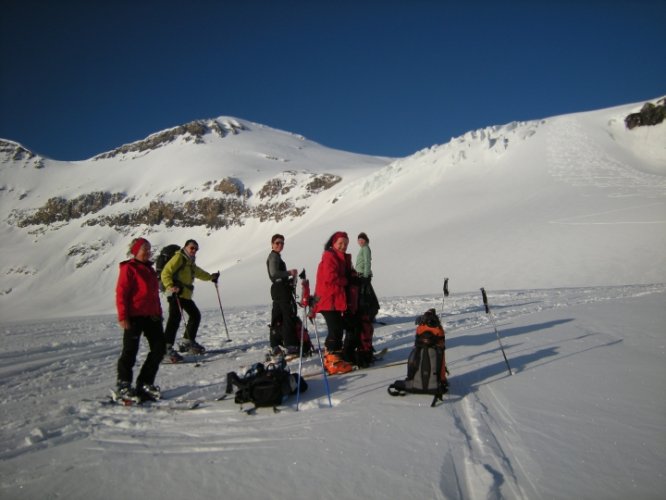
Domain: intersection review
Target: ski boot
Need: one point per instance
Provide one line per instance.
(172, 356)
(334, 364)
(124, 394)
(293, 352)
(191, 347)
(275, 355)
(148, 392)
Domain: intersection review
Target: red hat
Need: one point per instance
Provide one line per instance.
(338, 235)
(136, 246)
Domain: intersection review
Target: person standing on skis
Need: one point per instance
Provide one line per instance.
(178, 278)
(368, 297)
(139, 311)
(283, 313)
(334, 275)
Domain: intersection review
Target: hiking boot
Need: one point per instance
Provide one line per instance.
(148, 392)
(334, 364)
(191, 347)
(172, 356)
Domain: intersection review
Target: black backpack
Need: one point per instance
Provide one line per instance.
(426, 365)
(265, 385)
(165, 256)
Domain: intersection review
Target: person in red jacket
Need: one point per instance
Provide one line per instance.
(333, 277)
(139, 311)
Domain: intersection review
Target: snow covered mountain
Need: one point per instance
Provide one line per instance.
(567, 204)
(573, 200)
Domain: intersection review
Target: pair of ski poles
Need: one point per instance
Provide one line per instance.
(307, 301)
(488, 312)
(219, 301)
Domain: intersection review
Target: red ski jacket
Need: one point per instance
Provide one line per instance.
(332, 278)
(137, 290)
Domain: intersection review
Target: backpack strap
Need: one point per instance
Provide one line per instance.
(397, 388)
(439, 396)
(184, 261)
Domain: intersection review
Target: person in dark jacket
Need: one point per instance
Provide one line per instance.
(334, 275)
(283, 313)
(139, 311)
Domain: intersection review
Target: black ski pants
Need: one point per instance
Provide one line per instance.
(151, 327)
(336, 325)
(284, 313)
(175, 316)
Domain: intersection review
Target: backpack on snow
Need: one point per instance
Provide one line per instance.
(426, 365)
(165, 256)
(265, 385)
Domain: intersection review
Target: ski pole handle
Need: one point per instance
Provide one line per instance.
(485, 300)
(446, 287)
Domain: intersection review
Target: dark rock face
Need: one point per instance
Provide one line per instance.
(650, 114)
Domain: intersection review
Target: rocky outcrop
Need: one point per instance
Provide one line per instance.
(280, 197)
(59, 209)
(650, 114)
(11, 151)
(190, 132)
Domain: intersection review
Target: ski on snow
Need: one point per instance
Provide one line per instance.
(200, 359)
(163, 404)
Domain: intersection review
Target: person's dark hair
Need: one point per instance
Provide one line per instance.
(190, 242)
(276, 236)
(363, 236)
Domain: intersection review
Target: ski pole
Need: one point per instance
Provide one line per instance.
(300, 355)
(305, 299)
(446, 292)
(321, 359)
(492, 318)
(180, 308)
(307, 302)
(219, 301)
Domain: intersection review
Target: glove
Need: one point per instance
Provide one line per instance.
(215, 277)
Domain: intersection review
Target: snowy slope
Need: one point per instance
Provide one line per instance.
(572, 200)
(545, 215)
(582, 416)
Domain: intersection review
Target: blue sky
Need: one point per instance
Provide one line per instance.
(387, 77)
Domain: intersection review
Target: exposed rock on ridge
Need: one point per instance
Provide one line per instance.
(190, 132)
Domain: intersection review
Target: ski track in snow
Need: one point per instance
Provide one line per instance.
(575, 158)
(54, 385)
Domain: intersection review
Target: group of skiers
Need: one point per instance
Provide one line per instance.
(343, 295)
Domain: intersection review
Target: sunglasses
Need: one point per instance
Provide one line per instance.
(278, 242)
(194, 249)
